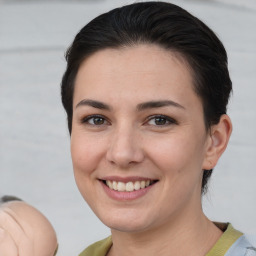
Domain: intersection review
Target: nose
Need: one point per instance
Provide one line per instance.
(125, 148)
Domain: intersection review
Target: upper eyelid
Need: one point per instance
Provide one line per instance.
(168, 118)
(86, 118)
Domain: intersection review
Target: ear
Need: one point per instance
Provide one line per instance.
(217, 142)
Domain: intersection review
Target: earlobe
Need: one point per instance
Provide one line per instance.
(218, 141)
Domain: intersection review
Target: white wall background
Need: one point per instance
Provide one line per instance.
(34, 142)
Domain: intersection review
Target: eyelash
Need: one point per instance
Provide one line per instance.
(168, 120)
(93, 117)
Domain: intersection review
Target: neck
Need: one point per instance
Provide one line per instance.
(196, 236)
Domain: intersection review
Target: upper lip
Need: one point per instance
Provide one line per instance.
(126, 179)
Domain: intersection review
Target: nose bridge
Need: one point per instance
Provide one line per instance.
(125, 147)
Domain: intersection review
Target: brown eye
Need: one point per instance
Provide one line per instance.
(95, 120)
(161, 120)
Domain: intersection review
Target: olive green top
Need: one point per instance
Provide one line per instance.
(227, 239)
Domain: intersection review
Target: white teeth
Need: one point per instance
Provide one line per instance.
(110, 184)
(114, 185)
(129, 186)
(120, 186)
(137, 185)
(142, 184)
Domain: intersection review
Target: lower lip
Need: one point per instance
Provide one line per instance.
(126, 196)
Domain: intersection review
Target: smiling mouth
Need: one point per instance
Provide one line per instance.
(128, 186)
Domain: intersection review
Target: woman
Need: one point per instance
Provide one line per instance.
(146, 90)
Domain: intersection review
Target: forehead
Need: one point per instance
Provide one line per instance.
(130, 59)
(143, 68)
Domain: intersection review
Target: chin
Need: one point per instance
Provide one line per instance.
(127, 227)
(126, 222)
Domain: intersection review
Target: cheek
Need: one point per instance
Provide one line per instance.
(84, 160)
(179, 161)
(177, 153)
(87, 152)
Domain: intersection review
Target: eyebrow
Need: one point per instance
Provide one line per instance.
(140, 107)
(94, 104)
(158, 104)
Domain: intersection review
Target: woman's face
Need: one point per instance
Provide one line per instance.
(138, 139)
